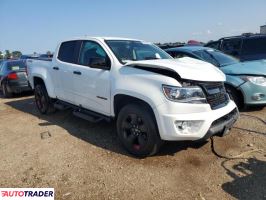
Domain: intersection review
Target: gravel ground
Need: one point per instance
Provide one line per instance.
(85, 161)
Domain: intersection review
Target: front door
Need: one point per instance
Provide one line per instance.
(92, 85)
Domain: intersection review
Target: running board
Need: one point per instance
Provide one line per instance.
(80, 112)
(89, 116)
(60, 106)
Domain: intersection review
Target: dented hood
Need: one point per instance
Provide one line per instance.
(256, 67)
(186, 68)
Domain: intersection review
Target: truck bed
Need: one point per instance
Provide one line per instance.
(35, 66)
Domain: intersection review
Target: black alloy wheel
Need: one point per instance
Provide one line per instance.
(43, 102)
(137, 130)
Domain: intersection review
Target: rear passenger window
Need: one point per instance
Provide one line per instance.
(67, 52)
(254, 46)
(232, 46)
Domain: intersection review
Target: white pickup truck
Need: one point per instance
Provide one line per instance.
(152, 96)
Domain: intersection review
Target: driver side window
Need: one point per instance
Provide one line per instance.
(91, 50)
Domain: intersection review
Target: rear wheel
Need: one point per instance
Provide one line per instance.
(43, 101)
(137, 130)
(6, 93)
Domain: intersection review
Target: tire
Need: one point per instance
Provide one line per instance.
(137, 130)
(43, 101)
(235, 95)
(6, 93)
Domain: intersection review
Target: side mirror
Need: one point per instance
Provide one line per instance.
(99, 63)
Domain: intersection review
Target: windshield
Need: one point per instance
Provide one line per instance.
(127, 50)
(216, 57)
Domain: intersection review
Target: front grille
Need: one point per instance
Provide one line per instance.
(215, 94)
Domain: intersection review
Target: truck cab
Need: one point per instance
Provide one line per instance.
(151, 96)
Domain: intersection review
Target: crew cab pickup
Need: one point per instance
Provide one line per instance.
(151, 96)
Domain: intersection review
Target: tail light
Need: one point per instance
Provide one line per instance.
(12, 76)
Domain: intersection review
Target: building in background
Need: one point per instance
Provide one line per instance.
(263, 29)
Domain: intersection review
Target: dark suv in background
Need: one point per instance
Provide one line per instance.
(245, 47)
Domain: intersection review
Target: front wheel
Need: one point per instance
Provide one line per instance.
(137, 130)
(43, 101)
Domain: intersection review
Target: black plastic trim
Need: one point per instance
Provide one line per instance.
(221, 126)
(83, 110)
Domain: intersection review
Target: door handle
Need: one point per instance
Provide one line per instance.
(77, 72)
(56, 68)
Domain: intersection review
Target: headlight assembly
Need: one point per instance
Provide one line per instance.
(258, 80)
(193, 94)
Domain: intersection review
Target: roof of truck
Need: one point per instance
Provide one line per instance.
(104, 38)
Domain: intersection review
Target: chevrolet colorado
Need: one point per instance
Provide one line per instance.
(152, 96)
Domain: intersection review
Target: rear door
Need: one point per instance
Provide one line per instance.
(92, 86)
(62, 70)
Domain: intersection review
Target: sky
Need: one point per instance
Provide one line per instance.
(38, 26)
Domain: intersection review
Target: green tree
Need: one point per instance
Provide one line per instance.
(1, 55)
(16, 54)
(7, 54)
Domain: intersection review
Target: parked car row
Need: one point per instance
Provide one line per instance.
(13, 77)
(245, 81)
(13, 74)
(244, 47)
(35, 56)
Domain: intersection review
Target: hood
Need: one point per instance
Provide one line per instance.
(186, 68)
(246, 68)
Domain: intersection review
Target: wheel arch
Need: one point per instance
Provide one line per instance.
(41, 80)
(238, 90)
(38, 80)
(120, 100)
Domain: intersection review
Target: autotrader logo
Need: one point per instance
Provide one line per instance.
(27, 193)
